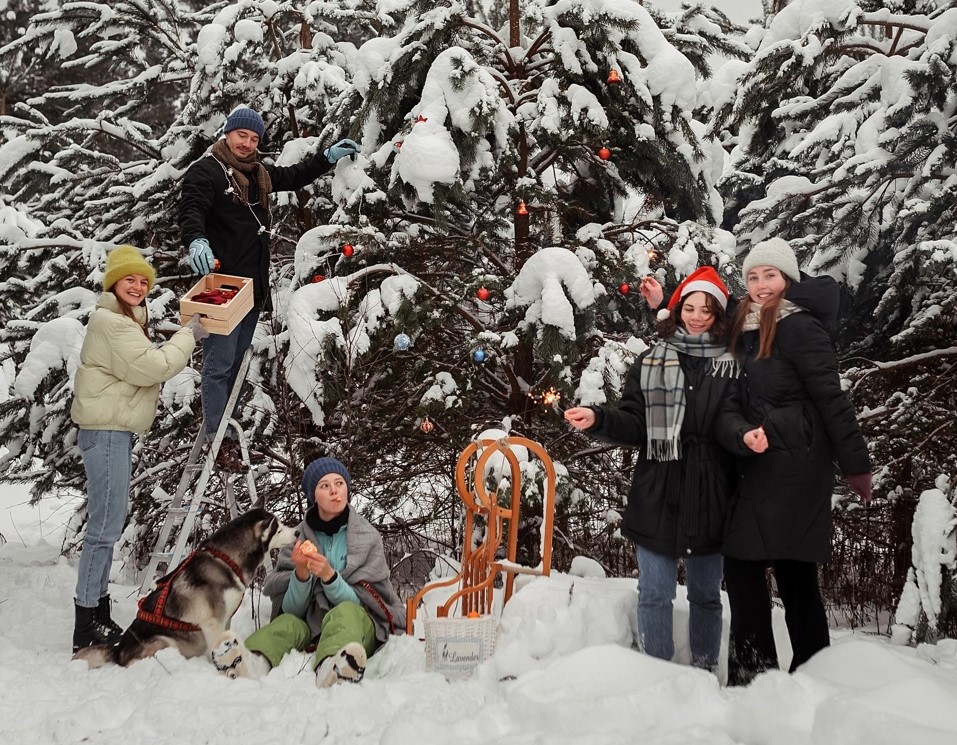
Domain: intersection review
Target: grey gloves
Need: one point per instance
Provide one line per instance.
(200, 332)
(201, 258)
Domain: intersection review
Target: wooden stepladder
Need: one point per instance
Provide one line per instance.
(185, 505)
(480, 567)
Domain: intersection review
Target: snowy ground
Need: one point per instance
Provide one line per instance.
(563, 672)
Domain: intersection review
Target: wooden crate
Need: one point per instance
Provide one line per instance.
(218, 319)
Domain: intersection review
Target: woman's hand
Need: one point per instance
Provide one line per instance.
(308, 561)
(651, 291)
(580, 417)
(756, 440)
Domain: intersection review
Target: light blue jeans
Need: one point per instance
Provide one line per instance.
(222, 358)
(106, 457)
(657, 580)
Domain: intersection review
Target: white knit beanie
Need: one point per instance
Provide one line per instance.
(773, 252)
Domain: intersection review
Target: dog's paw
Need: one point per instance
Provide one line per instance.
(227, 656)
(348, 664)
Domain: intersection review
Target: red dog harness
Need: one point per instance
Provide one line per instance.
(157, 615)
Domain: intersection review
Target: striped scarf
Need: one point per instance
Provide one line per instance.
(663, 385)
(753, 320)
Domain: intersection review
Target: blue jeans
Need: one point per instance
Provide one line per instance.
(106, 457)
(222, 358)
(657, 580)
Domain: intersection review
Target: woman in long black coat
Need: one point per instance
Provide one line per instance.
(683, 479)
(788, 420)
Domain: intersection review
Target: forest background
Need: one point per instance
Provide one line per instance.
(509, 196)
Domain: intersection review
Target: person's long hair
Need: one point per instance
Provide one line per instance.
(767, 323)
(718, 331)
(127, 310)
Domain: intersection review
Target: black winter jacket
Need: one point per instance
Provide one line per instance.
(233, 232)
(782, 507)
(675, 508)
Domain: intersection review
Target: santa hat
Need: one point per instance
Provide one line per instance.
(705, 279)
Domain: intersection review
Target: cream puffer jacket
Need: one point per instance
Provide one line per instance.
(117, 384)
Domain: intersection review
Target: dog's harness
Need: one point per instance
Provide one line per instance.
(165, 584)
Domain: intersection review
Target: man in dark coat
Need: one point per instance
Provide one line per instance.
(787, 420)
(224, 215)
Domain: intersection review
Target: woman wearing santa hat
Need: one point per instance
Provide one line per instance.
(683, 479)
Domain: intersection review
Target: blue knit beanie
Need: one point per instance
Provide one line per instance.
(319, 468)
(245, 118)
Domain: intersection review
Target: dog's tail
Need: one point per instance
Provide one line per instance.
(97, 655)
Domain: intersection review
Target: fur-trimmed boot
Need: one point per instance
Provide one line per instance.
(102, 614)
(86, 629)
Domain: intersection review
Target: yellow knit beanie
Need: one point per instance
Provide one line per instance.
(123, 261)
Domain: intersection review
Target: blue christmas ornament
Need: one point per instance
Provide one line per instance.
(402, 342)
(479, 355)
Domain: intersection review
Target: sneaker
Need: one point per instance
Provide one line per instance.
(233, 660)
(229, 457)
(348, 664)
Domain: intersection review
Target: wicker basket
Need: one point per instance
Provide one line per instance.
(456, 646)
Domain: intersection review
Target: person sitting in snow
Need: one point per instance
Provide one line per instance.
(224, 215)
(334, 591)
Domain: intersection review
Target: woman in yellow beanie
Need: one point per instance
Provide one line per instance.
(115, 394)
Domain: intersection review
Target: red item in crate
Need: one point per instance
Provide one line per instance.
(218, 296)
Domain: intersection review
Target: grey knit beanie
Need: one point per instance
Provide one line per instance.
(319, 468)
(245, 118)
(773, 252)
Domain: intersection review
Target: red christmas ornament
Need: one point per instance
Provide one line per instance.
(613, 77)
(624, 288)
(348, 250)
(521, 209)
(482, 293)
(318, 278)
(398, 145)
(426, 426)
(604, 153)
(422, 118)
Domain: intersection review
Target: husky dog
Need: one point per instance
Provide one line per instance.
(190, 607)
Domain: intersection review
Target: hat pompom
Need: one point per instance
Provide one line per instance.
(124, 261)
(663, 315)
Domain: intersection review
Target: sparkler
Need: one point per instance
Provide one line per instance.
(551, 397)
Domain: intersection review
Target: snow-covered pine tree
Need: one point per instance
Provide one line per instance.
(498, 115)
(475, 261)
(95, 163)
(845, 146)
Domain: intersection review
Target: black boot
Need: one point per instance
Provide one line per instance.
(86, 629)
(102, 615)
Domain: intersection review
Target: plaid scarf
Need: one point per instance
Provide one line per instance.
(239, 173)
(663, 385)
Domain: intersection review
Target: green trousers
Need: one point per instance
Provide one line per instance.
(347, 622)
